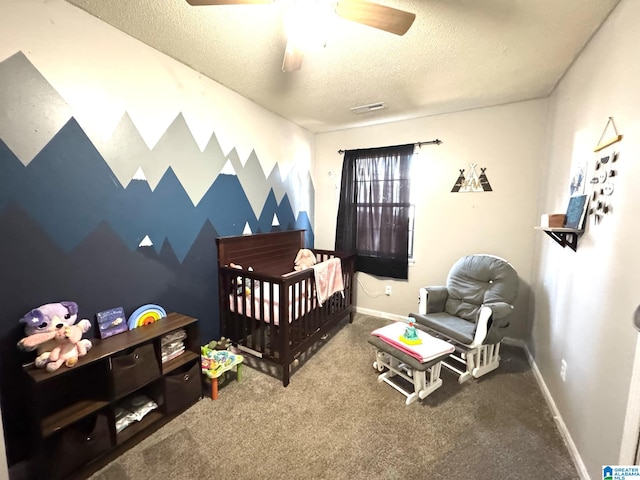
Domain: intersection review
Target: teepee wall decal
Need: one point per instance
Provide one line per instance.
(472, 182)
(484, 181)
(459, 182)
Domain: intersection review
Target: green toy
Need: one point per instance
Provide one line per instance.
(410, 335)
(222, 344)
(216, 362)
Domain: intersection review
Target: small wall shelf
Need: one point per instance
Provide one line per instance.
(566, 237)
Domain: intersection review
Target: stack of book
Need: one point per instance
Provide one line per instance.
(172, 345)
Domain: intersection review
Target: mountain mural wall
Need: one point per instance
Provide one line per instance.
(113, 222)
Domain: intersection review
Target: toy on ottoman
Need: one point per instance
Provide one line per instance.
(402, 354)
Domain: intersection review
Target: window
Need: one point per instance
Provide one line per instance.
(375, 209)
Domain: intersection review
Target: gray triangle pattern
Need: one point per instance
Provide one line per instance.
(126, 151)
(24, 126)
(253, 181)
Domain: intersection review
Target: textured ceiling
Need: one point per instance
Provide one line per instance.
(459, 54)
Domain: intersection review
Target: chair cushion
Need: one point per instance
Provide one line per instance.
(477, 279)
(455, 328)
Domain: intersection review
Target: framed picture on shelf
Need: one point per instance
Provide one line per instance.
(578, 176)
(576, 211)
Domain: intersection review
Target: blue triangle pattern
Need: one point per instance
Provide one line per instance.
(68, 189)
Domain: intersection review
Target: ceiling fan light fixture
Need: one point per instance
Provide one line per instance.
(197, 3)
(372, 107)
(292, 61)
(307, 23)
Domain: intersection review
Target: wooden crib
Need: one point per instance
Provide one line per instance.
(272, 311)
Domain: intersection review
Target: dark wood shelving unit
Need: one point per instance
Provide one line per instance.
(565, 237)
(138, 427)
(179, 361)
(78, 404)
(65, 417)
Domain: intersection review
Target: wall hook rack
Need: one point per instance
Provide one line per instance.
(604, 144)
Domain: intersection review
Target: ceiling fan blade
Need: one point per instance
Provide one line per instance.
(292, 58)
(226, 2)
(377, 16)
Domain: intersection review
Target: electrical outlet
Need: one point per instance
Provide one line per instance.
(563, 370)
(387, 290)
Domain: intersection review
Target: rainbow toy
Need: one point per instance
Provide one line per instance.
(410, 335)
(146, 315)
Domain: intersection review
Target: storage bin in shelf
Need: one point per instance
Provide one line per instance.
(67, 416)
(77, 445)
(566, 237)
(133, 368)
(183, 387)
(64, 402)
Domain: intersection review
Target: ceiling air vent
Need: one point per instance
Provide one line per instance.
(372, 107)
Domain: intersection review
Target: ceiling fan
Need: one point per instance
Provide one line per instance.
(364, 12)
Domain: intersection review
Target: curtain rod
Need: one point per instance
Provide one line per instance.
(437, 141)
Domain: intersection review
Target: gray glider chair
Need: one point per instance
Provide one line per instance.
(471, 312)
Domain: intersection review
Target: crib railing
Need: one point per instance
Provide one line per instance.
(278, 317)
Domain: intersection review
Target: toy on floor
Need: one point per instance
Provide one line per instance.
(410, 335)
(42, 325)
(215, 363)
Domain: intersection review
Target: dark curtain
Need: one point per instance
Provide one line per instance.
(373, 214)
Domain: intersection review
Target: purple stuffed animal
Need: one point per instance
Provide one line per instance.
(41, 325)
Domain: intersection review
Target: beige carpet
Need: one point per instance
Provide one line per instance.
(334, 421)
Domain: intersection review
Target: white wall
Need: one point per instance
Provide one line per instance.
(584, 301)
(508, 140)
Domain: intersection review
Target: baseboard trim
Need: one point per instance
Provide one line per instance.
(516, 342)
(564, 432)
(378, 313)
(562, 428)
